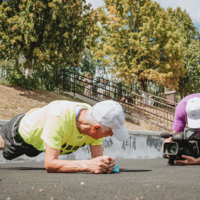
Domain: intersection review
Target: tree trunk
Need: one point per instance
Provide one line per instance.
(182, 95)
(143, 84)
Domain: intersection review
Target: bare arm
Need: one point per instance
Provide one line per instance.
(96, 150)
(189, 160)
(52, 164)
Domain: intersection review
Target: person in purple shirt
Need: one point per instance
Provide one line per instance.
(187, 112)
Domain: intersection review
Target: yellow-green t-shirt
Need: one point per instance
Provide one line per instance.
(55, 125)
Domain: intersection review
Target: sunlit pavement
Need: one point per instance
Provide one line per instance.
(138, 179)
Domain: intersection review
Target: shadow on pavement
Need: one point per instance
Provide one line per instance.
(22, 168)
(35, 168)
(135, 170)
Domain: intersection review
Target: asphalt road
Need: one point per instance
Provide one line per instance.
(138, 179)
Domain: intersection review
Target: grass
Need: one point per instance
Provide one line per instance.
(16, 100)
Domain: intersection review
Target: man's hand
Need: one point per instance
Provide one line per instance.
(101, 164)
(189, 160)
(111, 165)
(97, 152)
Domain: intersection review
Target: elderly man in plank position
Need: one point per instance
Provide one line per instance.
(62, 127)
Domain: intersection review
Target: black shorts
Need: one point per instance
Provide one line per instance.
(14, 145)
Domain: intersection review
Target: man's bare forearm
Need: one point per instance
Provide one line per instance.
(96, 165)
(197, 161)
(62, 166)
(53, 164)
(96, 150)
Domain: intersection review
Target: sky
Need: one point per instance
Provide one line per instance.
(191, 6)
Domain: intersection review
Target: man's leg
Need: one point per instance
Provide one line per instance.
(1, 143)
(11, 148)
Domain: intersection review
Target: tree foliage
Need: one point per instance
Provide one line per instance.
(139, 41)
(87, 64)
(44, 32)
(190, 83)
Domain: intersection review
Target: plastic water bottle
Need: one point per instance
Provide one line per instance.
(116, 169)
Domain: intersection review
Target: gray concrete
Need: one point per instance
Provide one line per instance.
(2, 122)
(140, 145)
(150, 179)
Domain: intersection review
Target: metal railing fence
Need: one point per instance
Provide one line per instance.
(157, 110)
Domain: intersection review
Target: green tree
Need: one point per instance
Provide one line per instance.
(87, 64)
(42, 32)
(3, 72)
(138, 41)
(190, 83)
